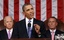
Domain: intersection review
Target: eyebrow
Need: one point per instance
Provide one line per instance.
(29, 9)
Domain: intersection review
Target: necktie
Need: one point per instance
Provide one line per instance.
(29, 29)
(9, 36)
(52, 35)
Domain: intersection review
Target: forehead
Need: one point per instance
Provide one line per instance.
(52, 19)
(28, 6)
(8, 18)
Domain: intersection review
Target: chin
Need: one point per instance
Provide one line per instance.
(31, 17)
(52, 28)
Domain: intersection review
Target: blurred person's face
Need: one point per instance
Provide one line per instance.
(29, 11)
(52, 23)
(8, 22)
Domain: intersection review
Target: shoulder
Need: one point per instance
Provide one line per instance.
(47, 31)
(19, 22)
(2, 31)
(59, 31)
(38, 21)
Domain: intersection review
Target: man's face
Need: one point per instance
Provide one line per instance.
(52, 23)
(29, 11)
(8, 23)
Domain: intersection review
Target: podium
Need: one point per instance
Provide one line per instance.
(31, 39)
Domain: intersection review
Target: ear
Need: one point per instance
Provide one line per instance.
(23, 13)
(56, 23)
(4, 24)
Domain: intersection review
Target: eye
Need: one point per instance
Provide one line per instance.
(27, 9)
(6, 21)
(31, 8)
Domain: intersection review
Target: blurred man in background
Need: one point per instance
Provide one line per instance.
(52, 31)
(8, 32)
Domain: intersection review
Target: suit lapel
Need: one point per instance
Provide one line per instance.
(33, 29)
(5, 33)
(25, 29)
(32, 33)
(12, 36)
(56, 32)
(49, 33)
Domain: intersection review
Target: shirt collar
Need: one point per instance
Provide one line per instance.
(27, 20)
(8, 29)
(53, 30)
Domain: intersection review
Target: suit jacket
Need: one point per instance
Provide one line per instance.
(20, 27)
(48, 33)
(4, 35)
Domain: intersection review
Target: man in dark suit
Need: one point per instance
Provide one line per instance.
(36, 26)
(8, 32)
(52, 31)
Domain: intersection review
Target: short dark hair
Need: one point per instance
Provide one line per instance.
(54, 18)
(25, 5)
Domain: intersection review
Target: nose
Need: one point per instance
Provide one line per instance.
(31, 11)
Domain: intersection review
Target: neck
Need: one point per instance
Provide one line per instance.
(53, 28)
(9, 28)
(29, 18)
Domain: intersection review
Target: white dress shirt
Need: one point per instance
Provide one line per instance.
(52, 31)
(11, 30)
(27, 21)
